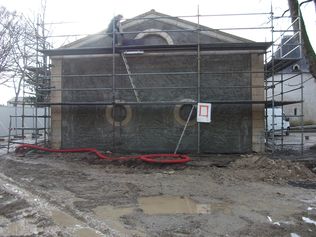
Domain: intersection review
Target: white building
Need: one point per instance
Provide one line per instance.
(294, 76)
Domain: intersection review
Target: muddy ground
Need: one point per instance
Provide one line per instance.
(220, 195)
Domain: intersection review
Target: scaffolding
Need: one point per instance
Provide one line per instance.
(286, 51)
(275, 76)
(25, 126)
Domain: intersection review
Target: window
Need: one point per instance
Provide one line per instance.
(182, 112)
(296, 68)
(119, 114)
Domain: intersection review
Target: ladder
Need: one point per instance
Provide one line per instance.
(130, 77)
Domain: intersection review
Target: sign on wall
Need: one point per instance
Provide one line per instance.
(204, 113)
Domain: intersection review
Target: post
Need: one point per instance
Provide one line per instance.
(113, 83)
(272, 77)
(37, 78)
(282, 123)
(302, 83)
(198, 81)
(45, 79)
(9, 138)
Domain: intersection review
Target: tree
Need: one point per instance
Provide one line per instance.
(21, 40)
(10, 31)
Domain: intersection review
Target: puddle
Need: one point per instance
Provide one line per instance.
(303, 184)
(73, 225)
(155, 205)
(63, 219)
(179, 205)
(86, 232)
(112, 215)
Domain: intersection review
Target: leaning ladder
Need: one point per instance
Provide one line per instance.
(130, 77)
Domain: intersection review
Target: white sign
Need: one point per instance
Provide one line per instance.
(204, 113)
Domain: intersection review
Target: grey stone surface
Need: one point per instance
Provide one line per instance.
(154, 128)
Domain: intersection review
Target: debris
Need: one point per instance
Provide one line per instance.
(295, 235)
(169, 172)
(308, 220)
(274, 223)
(76, 188)
(272, 171)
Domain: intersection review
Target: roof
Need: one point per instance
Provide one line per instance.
(101, 39)
(152, 14)
(154, 48)
(289, 48)
(288, 53)
(20, 100)
(177, 28)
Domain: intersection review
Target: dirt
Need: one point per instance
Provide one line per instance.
(217, 195)
(260, 168)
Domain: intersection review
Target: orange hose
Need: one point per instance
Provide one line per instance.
(150, 158)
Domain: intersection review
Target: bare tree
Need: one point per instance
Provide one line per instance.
(10, 30)
(37, 72)
(24, 53)
(20, 40)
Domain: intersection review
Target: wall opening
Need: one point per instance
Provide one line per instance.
(118, 114)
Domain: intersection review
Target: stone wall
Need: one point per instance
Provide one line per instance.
(56, 116)
(235, 128)
(257, 109)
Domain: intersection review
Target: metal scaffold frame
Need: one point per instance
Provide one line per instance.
(271, 70)
(290, 36)
(18, 122)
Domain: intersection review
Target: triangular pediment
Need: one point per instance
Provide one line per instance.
(177, 30)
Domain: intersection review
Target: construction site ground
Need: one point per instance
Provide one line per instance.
(53, 194)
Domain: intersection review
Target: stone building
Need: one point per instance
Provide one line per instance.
(170, 65)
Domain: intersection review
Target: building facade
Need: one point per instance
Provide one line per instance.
(137, 97)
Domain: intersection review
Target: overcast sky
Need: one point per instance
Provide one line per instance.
(94, 15)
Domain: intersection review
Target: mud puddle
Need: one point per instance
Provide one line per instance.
(86, 232)
(112, 215)
(156, 205)
(74, 225)
(164, 205)
(159, 205)
(303, 184)
(63, 219)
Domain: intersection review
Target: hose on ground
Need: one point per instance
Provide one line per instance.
(149, 158)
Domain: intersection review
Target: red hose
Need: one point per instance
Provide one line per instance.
(151, 158)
